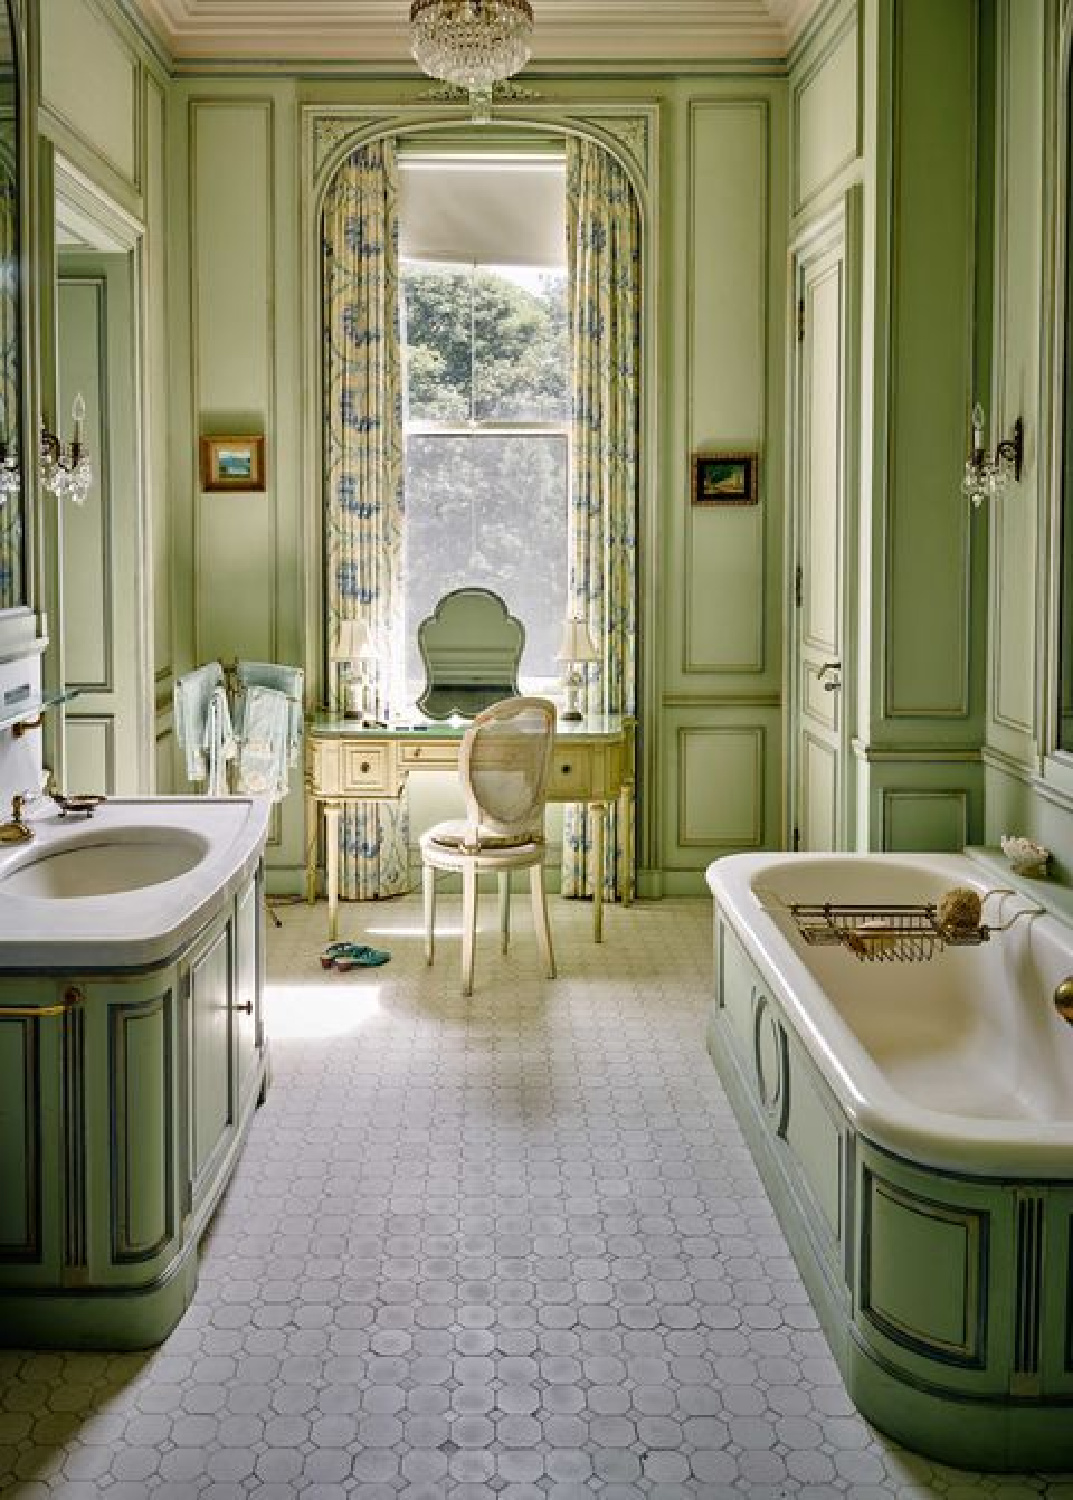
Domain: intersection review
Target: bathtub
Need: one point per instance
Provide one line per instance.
(913, 1123)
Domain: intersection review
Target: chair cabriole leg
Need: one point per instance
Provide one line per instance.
(504, 909)
(540, 919)
(428, 887)
(469, 923)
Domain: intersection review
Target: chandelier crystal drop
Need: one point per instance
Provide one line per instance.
(471, 43)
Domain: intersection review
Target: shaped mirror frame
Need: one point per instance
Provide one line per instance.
(13, 500)
(471, 646)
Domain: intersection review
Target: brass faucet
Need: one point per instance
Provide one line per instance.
(15, 831)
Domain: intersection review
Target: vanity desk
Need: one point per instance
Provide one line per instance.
(593, 763)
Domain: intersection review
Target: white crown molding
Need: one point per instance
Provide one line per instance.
(374, 31)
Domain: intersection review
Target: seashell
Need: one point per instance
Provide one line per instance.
(1025, 856)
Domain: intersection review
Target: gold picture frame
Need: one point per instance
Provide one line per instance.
(233, 463)
(725, 478)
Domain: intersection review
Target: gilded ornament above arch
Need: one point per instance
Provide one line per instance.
(629, 132)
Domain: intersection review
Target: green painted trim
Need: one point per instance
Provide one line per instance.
(652, 69)
(96, 283)
(811, 33)
(29, 1251)
(756, 839)
(799, 82)
(50, 111)
(252, 105)
(718, 700)
(891, 796)
(961, 709)
(917, 754)
(122, 1124)
(688, 665)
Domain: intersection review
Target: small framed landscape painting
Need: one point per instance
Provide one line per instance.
(232, 463)
(724, 478)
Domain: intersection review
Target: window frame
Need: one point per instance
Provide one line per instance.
(489, 427)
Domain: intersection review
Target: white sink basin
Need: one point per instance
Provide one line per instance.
(108, 864)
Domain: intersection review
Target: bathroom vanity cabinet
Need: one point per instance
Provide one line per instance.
(125, 1098)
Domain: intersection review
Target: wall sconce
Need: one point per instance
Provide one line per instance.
(986, 478)
(575, 649)
(65, 467)
(351, 650)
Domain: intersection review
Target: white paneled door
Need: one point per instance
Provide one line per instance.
(107, 740)
(820, 670)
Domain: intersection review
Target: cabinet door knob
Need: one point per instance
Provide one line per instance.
(365, 768)
(565, 768)
(247, 1009)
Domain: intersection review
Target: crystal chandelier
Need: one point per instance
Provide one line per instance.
(471, 43)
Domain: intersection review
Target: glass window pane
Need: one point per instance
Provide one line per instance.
(490, 510)
(521, 354)
(437, 342)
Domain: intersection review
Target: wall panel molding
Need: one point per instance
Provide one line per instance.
(724, 549)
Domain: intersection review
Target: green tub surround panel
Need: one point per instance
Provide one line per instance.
(949, 1322)
(125, 1099)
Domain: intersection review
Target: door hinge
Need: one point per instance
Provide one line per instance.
(797, 841)
(801, 320)
(799, 586)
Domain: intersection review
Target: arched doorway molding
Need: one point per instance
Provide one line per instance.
(629, 132)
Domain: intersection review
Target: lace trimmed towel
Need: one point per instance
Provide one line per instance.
(218, 743)
(264, 745)
(192, 695)
(287, 680)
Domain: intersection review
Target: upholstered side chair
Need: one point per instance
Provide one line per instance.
(504, 763)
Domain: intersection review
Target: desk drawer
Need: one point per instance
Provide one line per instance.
(367, 769)
(571, 773)
(430, 754)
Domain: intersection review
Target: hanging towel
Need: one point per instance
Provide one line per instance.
(219, 743)
(290, 681)
(263, 753)
(191, 698)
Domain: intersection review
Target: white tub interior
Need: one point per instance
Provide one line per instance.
(970, 1032)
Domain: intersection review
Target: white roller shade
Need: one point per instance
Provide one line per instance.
(495, 212)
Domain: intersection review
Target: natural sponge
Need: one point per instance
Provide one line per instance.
(960, 910)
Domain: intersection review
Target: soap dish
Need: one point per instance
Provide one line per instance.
(79, 804)
(1025, 856)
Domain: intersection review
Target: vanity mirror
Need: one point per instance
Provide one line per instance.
(12, 489)
(471, 646)
(1065, 559)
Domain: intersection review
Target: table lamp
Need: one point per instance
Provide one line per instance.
(575, 648)
(350, 652)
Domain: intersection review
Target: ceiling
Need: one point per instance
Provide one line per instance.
(374, 31)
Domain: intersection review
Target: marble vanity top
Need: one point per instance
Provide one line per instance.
(215, 844)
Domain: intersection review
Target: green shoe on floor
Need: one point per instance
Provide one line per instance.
(346, 956)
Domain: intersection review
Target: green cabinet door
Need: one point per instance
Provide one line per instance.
(212, 1113)
(248, 1031)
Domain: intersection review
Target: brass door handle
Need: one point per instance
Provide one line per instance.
(828, 666)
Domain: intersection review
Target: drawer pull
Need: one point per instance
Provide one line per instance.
(565, 769)
(365, 768)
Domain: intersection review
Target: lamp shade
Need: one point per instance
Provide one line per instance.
(351, 640)
(577, 643)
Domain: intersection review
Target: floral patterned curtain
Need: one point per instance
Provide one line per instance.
(364, 473)
(604, 261)
(11, 509)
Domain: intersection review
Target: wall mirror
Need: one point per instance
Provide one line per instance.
(12, 489)
(1065, 575)
(471, 646)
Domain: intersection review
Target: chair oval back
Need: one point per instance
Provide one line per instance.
(504, 763)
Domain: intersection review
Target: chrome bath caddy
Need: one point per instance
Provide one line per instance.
(894, 932)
